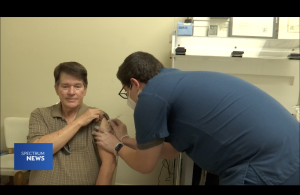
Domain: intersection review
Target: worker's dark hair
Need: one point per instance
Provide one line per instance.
(139, 65)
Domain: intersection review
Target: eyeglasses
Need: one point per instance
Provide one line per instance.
(123, 93)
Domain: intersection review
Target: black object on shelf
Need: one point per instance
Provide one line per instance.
(188, 21)
(237, 54)
(180, 51)
(294, 56)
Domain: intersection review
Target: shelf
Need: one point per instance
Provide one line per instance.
(265, 62)
(224, 46)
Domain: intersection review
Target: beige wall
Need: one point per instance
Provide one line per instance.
(32, 47)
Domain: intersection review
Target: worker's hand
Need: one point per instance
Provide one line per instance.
(119, 128)
(105, 139)
(90, 115)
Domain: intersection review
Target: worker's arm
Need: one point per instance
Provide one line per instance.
(130, 142)
(143, 161)
(167, 152)
(120, 131)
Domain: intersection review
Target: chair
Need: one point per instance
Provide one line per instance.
(15, 131)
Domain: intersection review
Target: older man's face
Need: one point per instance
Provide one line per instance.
(70, 91)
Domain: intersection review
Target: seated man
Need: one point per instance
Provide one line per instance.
(77, 160)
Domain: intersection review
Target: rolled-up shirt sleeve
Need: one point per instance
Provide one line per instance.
(150, 144)
(37, 126)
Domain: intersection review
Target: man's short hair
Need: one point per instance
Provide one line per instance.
(71, 68)
(139, 65)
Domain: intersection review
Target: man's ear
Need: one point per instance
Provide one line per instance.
(56, 89)
(85, 90)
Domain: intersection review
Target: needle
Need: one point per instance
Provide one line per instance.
(118, 116)
(110, 130)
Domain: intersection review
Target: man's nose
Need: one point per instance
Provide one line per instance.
(71, 90)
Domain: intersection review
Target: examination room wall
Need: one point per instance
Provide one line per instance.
(32, 47)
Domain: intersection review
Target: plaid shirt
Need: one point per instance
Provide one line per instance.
(82, 166)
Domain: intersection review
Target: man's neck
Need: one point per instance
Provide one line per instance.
(69, 113)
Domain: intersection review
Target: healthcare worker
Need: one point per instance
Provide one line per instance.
(226, 125)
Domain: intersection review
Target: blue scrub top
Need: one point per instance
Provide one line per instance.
(223, 123)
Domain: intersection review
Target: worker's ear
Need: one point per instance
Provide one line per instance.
(136, 83)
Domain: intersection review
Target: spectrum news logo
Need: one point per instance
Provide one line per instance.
(30, 157)
(33, 156)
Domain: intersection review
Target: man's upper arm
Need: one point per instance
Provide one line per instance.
(37, 126)
(104, 155)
